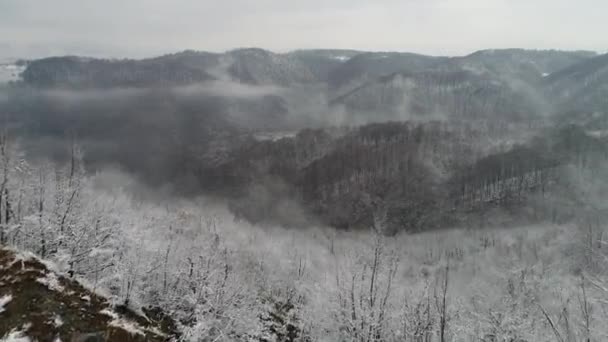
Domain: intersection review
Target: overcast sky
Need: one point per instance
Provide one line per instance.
(136, 28)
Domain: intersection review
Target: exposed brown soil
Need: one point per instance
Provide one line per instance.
(46, 306)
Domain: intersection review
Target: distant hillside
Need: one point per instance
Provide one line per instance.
(77, 72)
(257, 66)
(413, 176)
(368, 66)
(452, 95)
(511, 64)
(530, 66)
(322, 62)
(254, 66)
(341, 71)
(582, 87)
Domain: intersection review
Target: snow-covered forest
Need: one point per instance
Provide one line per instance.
(222, 279)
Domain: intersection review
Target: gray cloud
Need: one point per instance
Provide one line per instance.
(140, 28)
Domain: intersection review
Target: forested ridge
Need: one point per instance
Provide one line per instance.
(428, 142)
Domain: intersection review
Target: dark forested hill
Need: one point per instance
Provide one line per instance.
(80, 72)
(409, 176)
(452, 95)
(582, 87)
(254, 66)
(368, 66)
(530, 66)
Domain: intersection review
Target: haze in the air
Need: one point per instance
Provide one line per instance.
(137, 28)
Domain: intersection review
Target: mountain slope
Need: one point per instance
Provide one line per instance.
(529, 66)
(343, 178)
(371, 65)
(36, 302)
(78, 72)
(252, 66)
(582, 87)
(322, 62)
(438, 95)
(262, 67)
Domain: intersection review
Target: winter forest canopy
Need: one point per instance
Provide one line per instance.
(314, 195)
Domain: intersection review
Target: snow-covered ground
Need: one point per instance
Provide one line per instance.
(15, 336)
(600, 133)
(274, 136)
(4, 300)
(342, 58)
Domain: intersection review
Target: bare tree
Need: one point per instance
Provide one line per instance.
(441, 298)
(364, 302)
(5, 204)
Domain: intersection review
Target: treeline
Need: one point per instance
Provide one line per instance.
(250, 66)
(414, 176)
(448, 94)
(78, 73)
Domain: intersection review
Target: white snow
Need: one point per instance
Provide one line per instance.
(545, 74)
(22, 256)
(342, 58)
(598, 133)
(380, 56)
(57, 321)
(130, 327)
(4, 300)
(274, 136)
(15, 336)
(110, 313)
(157, 332)
(51, 281)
